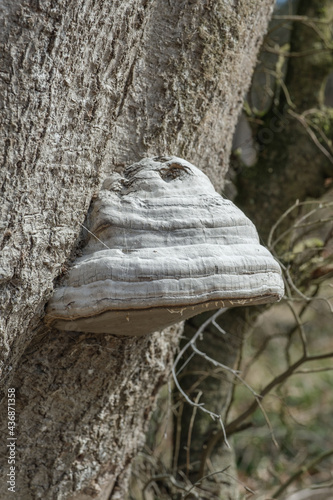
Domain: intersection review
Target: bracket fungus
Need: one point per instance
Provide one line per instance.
(163, 246)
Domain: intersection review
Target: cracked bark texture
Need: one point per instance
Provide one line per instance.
(88, 87)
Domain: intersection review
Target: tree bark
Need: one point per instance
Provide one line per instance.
(88, 88)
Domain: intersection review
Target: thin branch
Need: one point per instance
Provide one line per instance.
(292, 284)
(317, 357)
(217, 326)
(195, 485)
(286, 93)
(303, 53)
(313, 136)
(314, 370)
(320, 206)
(299, 327)
(197, 335)
(322, 134)
(159, 477)
(301, 471)
(278, 222)
(232, 427)
(185, 363)
(261, 349)
(289, 17)
(313, 223)
(235, 373)
(177, 439)
(310, 23)
(269, 425)
(94, 235)
(189, 435)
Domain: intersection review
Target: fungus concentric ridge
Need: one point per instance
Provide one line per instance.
(163, 245)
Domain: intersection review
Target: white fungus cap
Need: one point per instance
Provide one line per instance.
(167, 246)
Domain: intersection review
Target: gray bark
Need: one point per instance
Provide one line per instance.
(87, 88)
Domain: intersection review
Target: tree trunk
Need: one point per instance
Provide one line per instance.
(88, 88)
(292, 149)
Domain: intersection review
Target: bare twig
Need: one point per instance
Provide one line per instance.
(298, 224)
(235, 373)
(299, 327)
(195, 485)
(278, 222)
(289, 17)
(189, 434)
(232, 427)
(94, 235)
(314, 370)
(197, 335)
(313, 136)
(178, 436)
(301, 471)
(303, 53)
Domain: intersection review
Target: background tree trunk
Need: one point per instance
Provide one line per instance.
(291, 133)
(87, 88)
